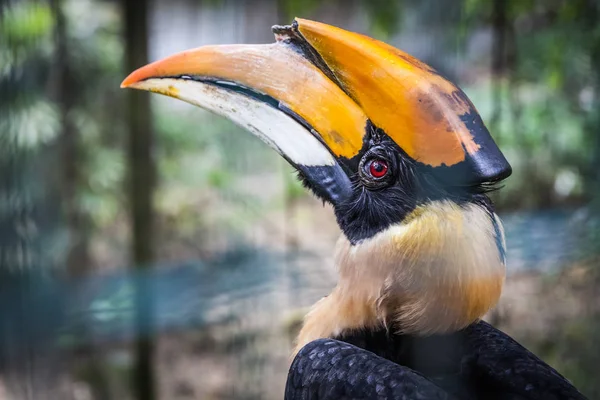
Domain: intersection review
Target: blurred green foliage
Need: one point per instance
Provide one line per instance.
(25, 31)
(385, 17)
(542, 113)
(541, 107)
(27, 119)
(545, 97)
(291, 9)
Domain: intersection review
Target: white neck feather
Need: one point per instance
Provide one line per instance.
(437, 271)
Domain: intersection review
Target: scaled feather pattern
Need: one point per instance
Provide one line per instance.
(479, 362)
(328, 369)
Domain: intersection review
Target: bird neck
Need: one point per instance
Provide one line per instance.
(438, 271)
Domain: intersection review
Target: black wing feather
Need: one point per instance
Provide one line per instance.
(479, 362)
(328, 369)
(506, 366)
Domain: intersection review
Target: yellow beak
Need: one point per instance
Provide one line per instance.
(333, 85)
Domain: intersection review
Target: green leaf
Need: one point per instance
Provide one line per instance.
(385, 16)
(25, 22)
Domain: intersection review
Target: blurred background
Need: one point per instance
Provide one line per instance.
(150, 250)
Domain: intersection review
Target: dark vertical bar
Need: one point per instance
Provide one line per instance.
(592, 19)
(141, 188)
(67, 91)
(498, 68)
(498, 58)
(30, 310)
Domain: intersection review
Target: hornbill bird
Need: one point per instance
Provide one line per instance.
(405, 160)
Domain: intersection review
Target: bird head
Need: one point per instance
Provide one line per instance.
(400, 153)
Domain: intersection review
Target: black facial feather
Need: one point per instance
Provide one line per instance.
(374, 205)
(369, 211)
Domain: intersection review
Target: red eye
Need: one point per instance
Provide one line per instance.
(378, 168)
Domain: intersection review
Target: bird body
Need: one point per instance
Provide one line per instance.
(406, 162)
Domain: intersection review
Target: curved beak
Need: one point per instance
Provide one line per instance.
(276, 94)
(313, 95)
